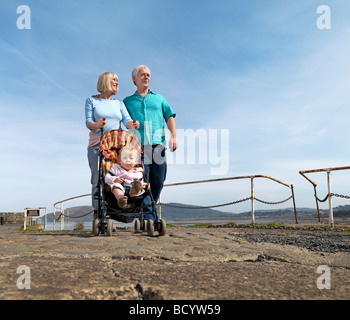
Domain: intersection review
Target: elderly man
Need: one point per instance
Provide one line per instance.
(151, 109)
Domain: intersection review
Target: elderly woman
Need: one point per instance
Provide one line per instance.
(104, 112)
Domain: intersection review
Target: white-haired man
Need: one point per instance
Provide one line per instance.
(151, 110)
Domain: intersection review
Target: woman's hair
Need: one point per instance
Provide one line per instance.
(104, 82)
(136, 71)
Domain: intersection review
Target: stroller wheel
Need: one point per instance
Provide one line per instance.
(162, 229)
(137, 226)
(144, 227)
(109, 227)
(150, 228)
(95, 227)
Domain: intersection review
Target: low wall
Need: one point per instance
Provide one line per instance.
(11, 217)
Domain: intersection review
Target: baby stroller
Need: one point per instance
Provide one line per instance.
(108, 210)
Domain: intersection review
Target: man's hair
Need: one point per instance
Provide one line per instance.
(104, 82)
(136, 71)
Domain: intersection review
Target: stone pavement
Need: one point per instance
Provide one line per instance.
(186, 263)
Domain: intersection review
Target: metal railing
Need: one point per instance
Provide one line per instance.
(62, 214)
(329, 195)
(252, 196)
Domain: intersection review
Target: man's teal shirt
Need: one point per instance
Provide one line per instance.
(151, 112)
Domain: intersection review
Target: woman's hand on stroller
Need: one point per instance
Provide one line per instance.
(101, 123)
(134, 124)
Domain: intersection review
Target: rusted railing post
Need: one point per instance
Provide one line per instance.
(25, 219)
(331, 220)
(252, 198)
(67, 219)
(295, 209)
(61, 216)
(45, 225)
(317, 206)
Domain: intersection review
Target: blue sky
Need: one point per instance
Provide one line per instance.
(260, 70)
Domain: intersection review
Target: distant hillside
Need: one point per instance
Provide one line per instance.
(343, 208)
(82, 213)
(178, 211)
(168, 212)
(273, 213)
(342, 211)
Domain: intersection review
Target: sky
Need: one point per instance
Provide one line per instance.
(258, 87)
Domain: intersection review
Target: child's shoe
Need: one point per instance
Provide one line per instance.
(122, 202)
(136, 188)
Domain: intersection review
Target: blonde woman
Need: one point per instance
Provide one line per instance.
(104, 112)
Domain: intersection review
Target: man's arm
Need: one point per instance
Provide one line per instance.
(172, 128)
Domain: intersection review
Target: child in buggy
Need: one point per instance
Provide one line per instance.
(121, 188)
(125, 178)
